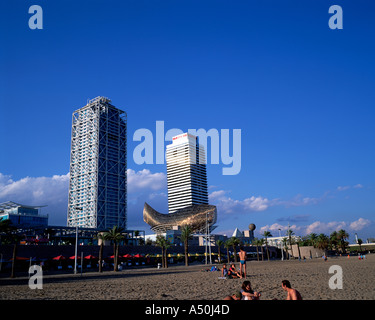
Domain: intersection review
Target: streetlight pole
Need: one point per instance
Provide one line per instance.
(206, 238)
(281, 246)
(209, 248)
(76, 249)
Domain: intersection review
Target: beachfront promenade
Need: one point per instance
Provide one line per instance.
(310, 277)
(150, 256)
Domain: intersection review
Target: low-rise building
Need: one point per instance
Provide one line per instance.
(23, 215)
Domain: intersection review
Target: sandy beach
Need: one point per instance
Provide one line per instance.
(310, 278)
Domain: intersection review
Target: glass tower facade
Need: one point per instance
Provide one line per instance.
(186, 173)
(98, 180)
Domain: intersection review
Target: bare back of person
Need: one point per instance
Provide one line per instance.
(243, 257)
(293, 294)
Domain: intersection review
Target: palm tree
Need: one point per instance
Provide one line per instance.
(299, 252)
(234, 241)
(334, 240)
(256, 242)
(312, 237)
(114, 235)
(164, 244)
(261, 243)
(359, 241)
(219, 244)
(100, 237)
(285, 246)
(289, 233)
(15, 248)
(186, 234)
(342, 236)
(7, 228)
(322, 242)
(149, 242)
(227, 245)
(160, 242)
(267, 234)
(167, 244)
(304, 241)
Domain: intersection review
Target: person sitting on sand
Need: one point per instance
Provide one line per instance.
(235, 296)
(293, 294)
(224, 270)
(248, 293)
(233, 273)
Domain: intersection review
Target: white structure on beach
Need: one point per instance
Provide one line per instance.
(278, 241)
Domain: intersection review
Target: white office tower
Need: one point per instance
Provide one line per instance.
(186, 172)
(98, 181)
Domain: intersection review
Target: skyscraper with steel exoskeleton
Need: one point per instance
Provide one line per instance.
(98, 180)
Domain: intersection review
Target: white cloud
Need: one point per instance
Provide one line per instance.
(5, 179)
(343, 188)
(49, 191)
(319, 227)
(228, 205)
(144, 186)
(157, 200)
(360, 224)
(43, 190)
(314, 227)
(217, 195)
(34, 191)
(256, 203)
(325, 227)
(299, 200)
(144, 180)
(53, 192)
(274, 229)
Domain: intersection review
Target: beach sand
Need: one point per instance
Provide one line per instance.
(310, 278)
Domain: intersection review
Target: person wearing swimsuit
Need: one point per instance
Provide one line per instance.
(243, 257)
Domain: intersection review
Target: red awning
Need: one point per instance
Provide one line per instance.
(20, 258)
(59, 258)
(138, 256)
(90, 256)
(73, 257)
(127, 255)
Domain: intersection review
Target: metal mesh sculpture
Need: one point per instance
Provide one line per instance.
(198, 217)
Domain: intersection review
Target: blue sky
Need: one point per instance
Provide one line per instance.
(302, 94)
